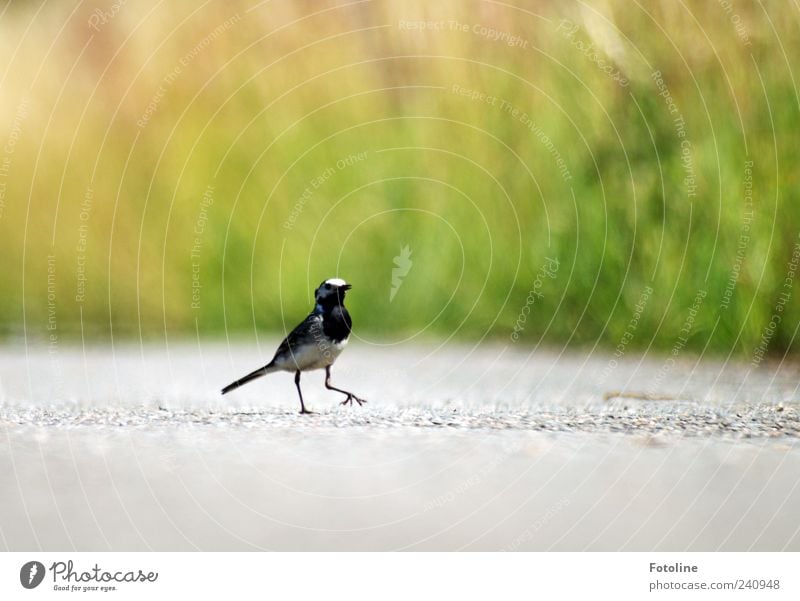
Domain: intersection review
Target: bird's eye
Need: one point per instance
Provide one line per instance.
(327, 286)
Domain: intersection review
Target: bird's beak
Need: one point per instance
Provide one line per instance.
(346, 287)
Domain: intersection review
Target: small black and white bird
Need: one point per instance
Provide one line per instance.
(315, 343)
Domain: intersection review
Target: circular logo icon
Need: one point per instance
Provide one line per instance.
(31, 574)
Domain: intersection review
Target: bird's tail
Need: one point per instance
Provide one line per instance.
(261, 371)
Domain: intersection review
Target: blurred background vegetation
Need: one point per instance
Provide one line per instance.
(197, 168)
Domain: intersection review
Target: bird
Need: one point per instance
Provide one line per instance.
(315, 343)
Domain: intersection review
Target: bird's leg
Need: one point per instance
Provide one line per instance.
(350, 396)
(303, 409)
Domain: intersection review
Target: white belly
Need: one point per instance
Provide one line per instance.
(312, 356)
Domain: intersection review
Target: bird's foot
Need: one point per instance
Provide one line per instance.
(350, 398)
(305, 411)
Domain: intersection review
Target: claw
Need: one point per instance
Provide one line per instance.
(350, 398)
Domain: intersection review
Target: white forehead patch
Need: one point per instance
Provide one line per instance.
(336, 282)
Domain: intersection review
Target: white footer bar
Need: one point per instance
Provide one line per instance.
(378, 576)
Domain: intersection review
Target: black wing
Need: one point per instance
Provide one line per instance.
(307, 331)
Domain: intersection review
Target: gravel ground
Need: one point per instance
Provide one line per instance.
(482, 448)
(646, 418)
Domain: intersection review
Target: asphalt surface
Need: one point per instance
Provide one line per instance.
(480, 448)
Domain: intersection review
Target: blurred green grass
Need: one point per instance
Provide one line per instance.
(266, 99)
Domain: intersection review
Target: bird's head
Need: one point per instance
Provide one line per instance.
(331, 292)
